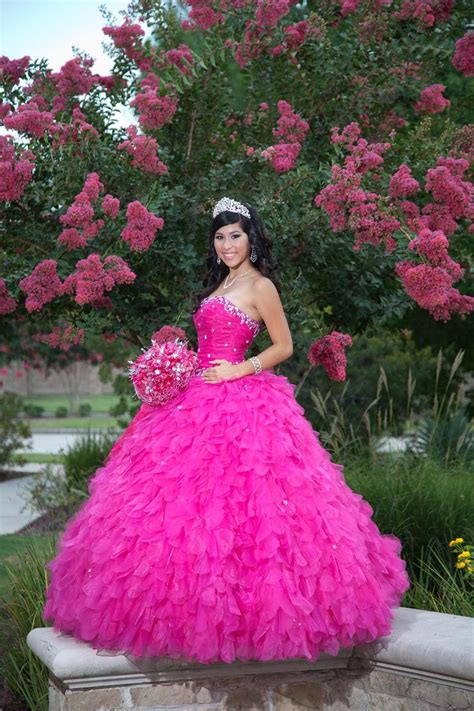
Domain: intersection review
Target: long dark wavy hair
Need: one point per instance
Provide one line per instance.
(258, 238)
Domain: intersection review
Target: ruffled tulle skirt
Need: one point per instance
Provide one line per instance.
(219, 529)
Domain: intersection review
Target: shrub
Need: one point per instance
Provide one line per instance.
(85, 456)
(61, 411)
(49, 494)
(85, 409)
(32, 410)
(14, 432)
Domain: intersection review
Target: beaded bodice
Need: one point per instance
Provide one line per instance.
(223, 330)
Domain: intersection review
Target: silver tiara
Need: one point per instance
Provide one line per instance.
(226, 203)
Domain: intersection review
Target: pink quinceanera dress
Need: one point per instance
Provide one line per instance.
(219, 529)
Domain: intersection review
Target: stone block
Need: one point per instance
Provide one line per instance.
(384, 702)
(389, 683)
(347, 693)
(56, 698)
(298, 696)
(246, 697)
(94, 700)
(174, 694)
(442, 696)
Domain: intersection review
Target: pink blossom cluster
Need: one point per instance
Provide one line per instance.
(346, 203)
(259, 32)
(73, 131)
(92, 279)
(41, 85)
(110, 206)
(42, 285)
(79, 215)
(371, 224)
(75, 77)
(282, 156)
(420, 10)
(128, 37)
(7, 302)
(14, 174)
(141, 227)
(251, 46)
(291, 127)
(270, 12)
(295, 35)
(426, 12)
(12, 70)
(430, 282)
(154, 110)
(143, 151)
(431, 100)
(5, 109)
(291, 130)
(202, 16)
(453, 196)
(168, 333)
(430, 285)
(434, 246)
(29, 119)
(93, 187)
(402, 183)
(181, 57)
(463, 57)
(329, 352)
(62, 337)
(111, 81)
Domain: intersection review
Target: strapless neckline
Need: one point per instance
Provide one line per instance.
(237, 308)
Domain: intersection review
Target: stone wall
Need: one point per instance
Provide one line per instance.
(426, 664)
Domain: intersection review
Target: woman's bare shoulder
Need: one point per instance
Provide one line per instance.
(264, 286)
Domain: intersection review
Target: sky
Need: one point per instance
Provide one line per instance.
(51, 28)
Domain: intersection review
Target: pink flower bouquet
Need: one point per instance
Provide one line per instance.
(163, 370)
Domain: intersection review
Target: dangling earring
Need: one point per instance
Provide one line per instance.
(253, 254)
(218, 260)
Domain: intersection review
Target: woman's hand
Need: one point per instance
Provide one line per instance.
(223, 371)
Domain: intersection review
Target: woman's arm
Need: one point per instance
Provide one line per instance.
(268, 303)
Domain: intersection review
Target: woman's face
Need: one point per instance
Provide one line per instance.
(232, 244)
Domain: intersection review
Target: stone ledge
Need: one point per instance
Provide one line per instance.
(425, 664)
(77, 666)
(429, 643)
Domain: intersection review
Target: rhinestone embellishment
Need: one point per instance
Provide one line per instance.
(231, 308)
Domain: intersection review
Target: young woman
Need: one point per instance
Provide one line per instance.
(219, 528)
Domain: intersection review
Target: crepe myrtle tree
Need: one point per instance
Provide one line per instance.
(342, 123)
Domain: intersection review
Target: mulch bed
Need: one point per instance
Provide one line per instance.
(8, 701)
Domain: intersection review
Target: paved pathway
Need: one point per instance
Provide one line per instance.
(13, 515)
(52, 443)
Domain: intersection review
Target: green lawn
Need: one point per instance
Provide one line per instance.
(40, 423)
(39, 458)
(99, 403)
